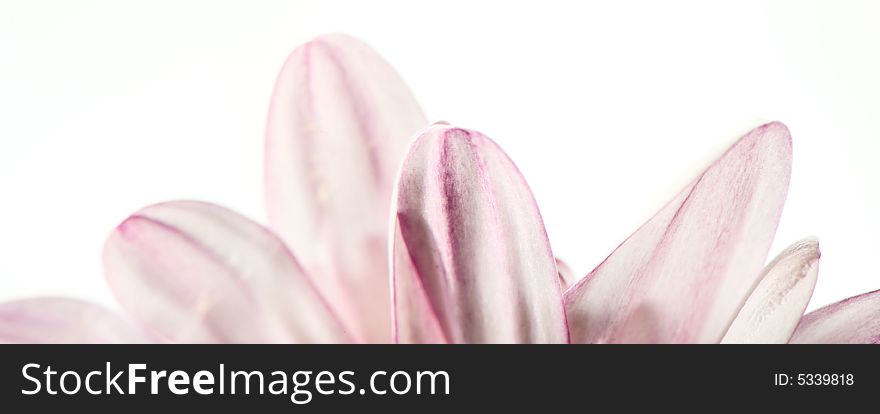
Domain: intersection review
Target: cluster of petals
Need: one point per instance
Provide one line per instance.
(384, 228)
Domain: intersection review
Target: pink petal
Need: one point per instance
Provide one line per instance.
(775, 307)
(567, 276)
(471, 260)
(64, 321)
(339, 123)
(197, 272)
(851, 321)
(683, 276)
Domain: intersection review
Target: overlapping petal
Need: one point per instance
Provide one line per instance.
(567, 276)
(683, 276)
(470, 256)
(852, 321)
(197, 272)
(339, 123)
(64, 321)
(775, 307)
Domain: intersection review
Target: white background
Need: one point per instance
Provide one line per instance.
(609, 108)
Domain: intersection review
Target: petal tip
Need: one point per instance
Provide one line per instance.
(810, 246)
(777, 134)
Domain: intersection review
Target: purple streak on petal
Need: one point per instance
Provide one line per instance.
(197, 272)
(690, 268)
(471, 260)
(851, 321)
(339, 123)
(64, 321)
(420, 323)
(774, 308)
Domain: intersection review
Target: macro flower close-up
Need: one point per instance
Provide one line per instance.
(384, 226)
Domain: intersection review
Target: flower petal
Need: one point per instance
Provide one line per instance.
(683, 275)
(775, 307)
(64, 321)
(197, 272)
(471, 260)
(851, 321)
(339, 123)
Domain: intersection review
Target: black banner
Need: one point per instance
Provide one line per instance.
(289, 378)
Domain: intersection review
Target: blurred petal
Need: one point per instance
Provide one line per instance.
(197, 272)
(775, 307)
(566, 275)
(685, 273)
(64, 321)
(339, 123)
(471, 260)
(852, 321)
